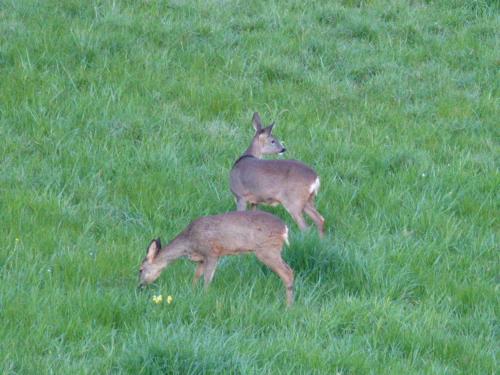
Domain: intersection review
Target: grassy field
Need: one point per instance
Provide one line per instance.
(120, 120)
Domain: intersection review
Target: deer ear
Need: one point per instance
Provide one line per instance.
(153, 249)
(257, 124)
(269, 129)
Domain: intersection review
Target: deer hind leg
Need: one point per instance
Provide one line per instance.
(296, 211)
(274, 261)
(299, 218)
(311, 211)
(199, 271)
(210, 263)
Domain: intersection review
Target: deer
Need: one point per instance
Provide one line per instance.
(208, 238)
(290, 183)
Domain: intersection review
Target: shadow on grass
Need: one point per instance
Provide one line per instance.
(323, 260)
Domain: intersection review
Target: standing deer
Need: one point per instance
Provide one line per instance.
(289, 182)
(210, 237)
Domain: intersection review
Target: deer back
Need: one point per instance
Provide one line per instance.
(262, 180)
(235, 232)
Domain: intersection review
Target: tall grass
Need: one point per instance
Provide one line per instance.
(120, 120)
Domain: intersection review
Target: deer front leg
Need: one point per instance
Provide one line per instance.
(210, 265)
(199, 271)
(241, 204)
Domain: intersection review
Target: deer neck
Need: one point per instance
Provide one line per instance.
(177, 248)
(254, 149)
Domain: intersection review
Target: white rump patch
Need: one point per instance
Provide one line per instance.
(314, 188)
(285, 236)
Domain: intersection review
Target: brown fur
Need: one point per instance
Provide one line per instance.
(210, 237)
(287, 182)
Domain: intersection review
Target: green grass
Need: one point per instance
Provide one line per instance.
(120, 120)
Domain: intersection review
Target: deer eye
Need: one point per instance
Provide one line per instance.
(273, 141)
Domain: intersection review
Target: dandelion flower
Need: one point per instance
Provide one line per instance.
(170, 299)
(158, 299)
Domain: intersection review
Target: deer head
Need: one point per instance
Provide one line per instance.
(151, 268)
(264, 143)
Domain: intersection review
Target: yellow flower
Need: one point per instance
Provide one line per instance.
(170, 299)
(158, 299)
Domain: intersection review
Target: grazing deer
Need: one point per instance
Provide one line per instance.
(210, 237)
(289, 182)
